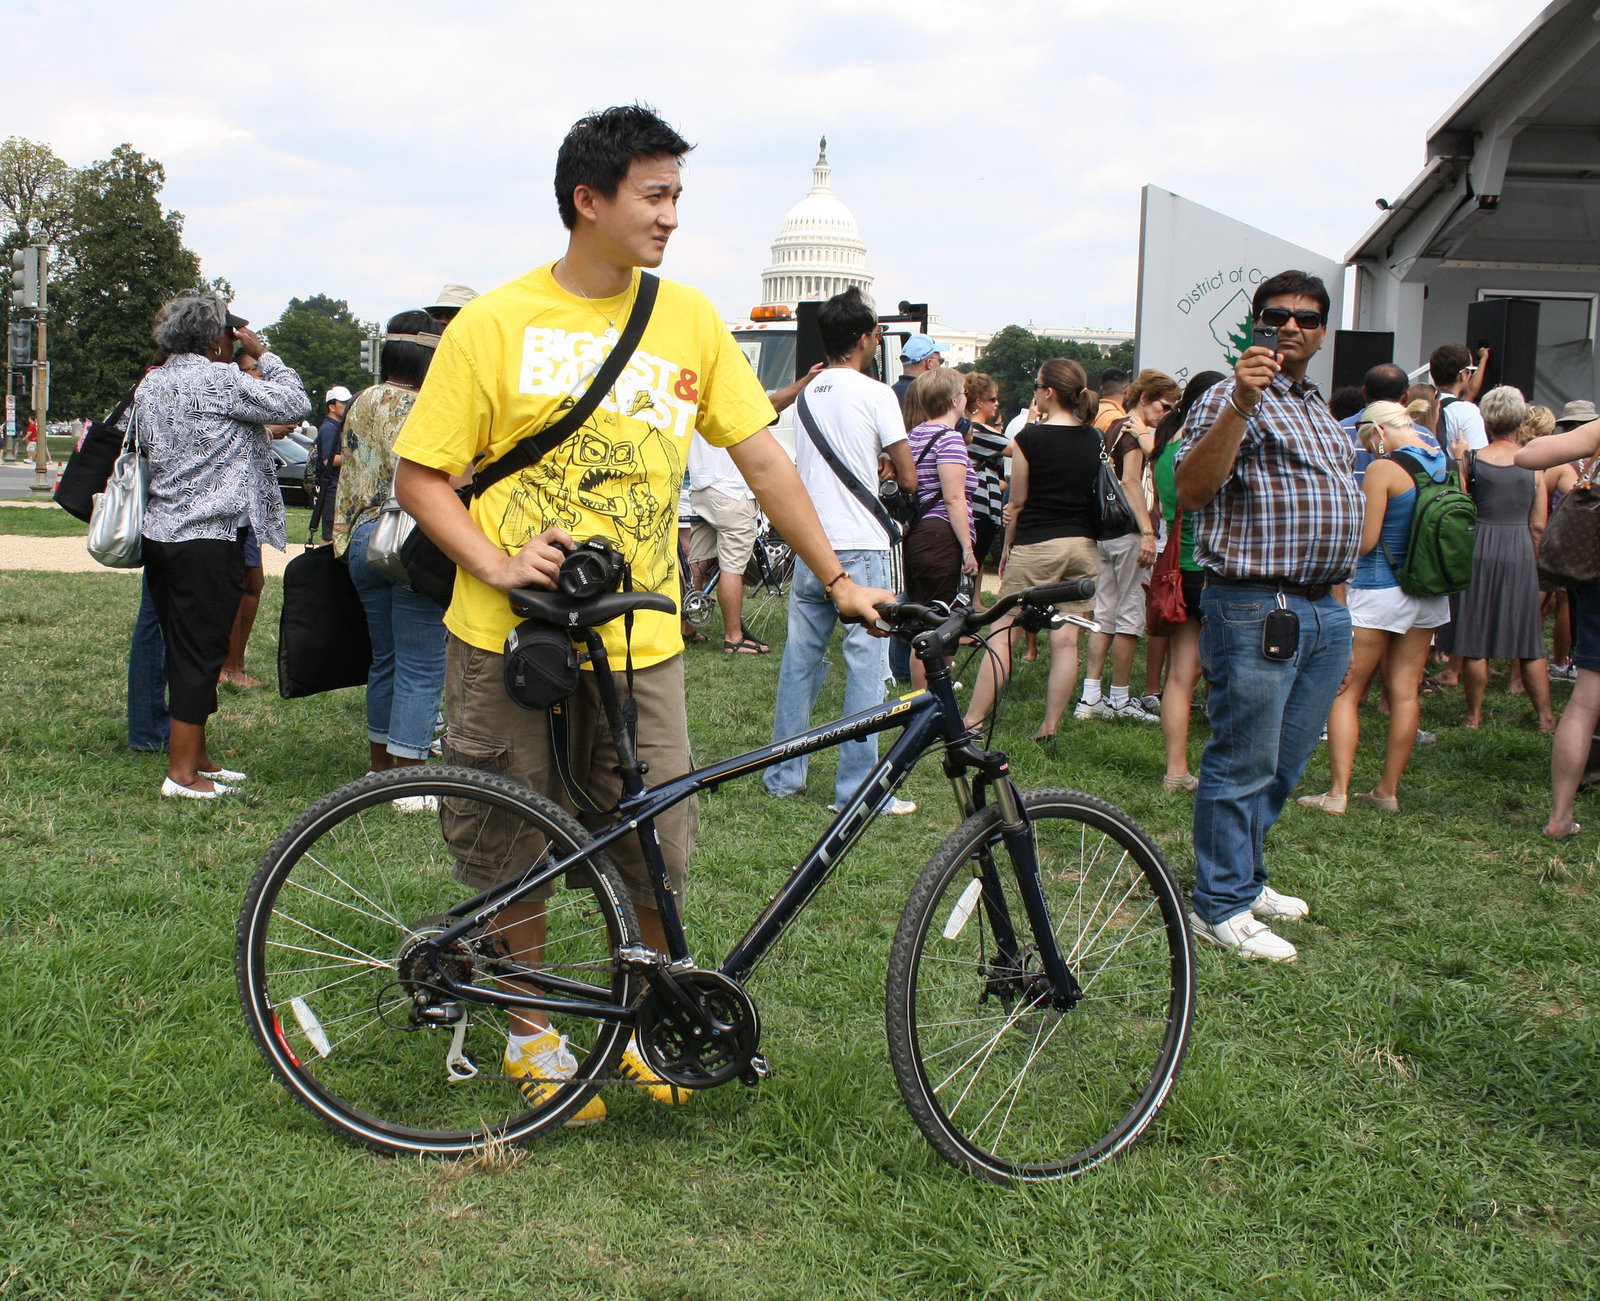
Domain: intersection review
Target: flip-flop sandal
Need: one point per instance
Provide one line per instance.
(1576, 829)
(749, 636)
(746, 646)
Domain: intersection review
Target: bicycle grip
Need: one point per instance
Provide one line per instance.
(1073, 590)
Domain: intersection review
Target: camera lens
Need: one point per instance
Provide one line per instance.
(583, 575)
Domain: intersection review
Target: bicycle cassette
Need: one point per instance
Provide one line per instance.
(700, 1033)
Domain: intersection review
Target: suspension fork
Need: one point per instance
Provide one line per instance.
(1017, 833)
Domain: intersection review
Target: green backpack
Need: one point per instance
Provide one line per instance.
(1444, 523)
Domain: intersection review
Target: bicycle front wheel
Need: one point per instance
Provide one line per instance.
(332, 962)
(1001, 1082)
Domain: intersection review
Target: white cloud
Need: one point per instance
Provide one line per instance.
(993, 155)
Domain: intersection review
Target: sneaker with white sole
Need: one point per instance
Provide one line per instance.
(1270, 906)
(1085, 710)
(416, 804)
(539, 1069)
(1130, 711)
(894, 807)
(632, 1067)
(1151, 704)
(1246, 936)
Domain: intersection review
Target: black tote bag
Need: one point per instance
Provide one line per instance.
(322, 633)
(89, 468)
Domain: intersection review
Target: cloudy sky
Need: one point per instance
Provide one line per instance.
(993, 153)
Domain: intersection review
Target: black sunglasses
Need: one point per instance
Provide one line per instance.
(1305, 318)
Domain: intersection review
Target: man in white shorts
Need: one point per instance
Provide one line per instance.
(727, 522)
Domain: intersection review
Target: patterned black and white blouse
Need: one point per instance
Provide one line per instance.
(211, 470)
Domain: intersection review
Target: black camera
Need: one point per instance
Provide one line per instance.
(590, 569)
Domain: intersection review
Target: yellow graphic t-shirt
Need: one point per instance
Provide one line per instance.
(511, 362)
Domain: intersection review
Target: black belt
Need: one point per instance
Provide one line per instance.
(1310, 591)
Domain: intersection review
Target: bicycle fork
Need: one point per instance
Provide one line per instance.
(1017, 833)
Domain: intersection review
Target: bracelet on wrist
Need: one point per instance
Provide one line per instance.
(827, 588)
(1233, 402)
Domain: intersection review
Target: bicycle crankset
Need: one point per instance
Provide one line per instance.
(698, 1029)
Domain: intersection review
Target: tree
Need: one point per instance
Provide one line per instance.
(120, 257)
(35, 190)
(1014, 355)
(321, 338)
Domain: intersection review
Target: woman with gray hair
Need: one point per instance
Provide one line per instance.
(200, 423)
(1497, 617)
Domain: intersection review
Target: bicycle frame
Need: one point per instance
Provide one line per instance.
(926, 717)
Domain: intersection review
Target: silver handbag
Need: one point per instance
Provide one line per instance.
(116, 525)
(388, 537)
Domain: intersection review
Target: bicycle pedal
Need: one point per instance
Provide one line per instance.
(756, 1071)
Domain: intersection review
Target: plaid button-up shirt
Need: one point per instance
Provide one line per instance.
(1289, 509)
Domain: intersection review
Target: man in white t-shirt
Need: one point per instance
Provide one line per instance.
(1457, 378)
(859, 418)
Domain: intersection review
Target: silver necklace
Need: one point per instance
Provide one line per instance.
(584, 295)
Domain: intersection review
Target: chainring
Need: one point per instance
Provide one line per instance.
(711, 1044)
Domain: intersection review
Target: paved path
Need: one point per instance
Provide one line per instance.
(69, 556)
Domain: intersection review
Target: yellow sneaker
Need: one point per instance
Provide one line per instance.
(544, 1061)
(632, 1067)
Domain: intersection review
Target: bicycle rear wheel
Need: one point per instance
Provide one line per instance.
(766, 585)
(329, 967)
(1000, 1082)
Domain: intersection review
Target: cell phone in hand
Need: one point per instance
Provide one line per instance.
(1264, 336)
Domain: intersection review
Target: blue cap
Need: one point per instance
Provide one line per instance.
(919, 347)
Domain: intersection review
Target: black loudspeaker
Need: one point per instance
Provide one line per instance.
(1509, 329)
(807, 338)
(1355, 352)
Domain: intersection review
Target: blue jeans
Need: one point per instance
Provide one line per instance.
(407, 674)
(811, 619)
(1266, 716)
(149, 722)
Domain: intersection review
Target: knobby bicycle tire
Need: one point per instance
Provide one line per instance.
(1002, 1084)
(325, 960)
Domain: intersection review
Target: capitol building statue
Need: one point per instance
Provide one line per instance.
(819, 251)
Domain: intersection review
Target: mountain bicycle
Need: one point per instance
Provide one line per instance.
(1041, 980)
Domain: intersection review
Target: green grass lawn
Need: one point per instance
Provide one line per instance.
(32, 522)
(1408, 1111)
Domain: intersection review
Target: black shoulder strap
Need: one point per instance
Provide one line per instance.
(533, 449)
(127, 401)
(856, 488)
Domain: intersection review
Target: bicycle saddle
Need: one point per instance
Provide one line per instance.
(560, 609)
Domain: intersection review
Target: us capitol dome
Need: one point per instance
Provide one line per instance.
(819, 251)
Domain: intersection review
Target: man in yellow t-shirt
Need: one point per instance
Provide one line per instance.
(512, 361)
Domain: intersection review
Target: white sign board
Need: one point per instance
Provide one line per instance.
(1197, 273)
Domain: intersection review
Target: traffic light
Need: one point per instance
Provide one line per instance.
(20, 343)
(371, 348)
(26, 266)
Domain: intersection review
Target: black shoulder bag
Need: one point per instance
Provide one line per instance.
(89, 467)
(432, 572)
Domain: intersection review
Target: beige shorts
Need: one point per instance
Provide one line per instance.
(1054, 561)
(488, 731)
(1119, 594)
(727, 529)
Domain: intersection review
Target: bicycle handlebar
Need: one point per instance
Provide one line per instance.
(911, 622)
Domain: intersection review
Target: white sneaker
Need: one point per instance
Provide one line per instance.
(1245, 936)
(1270, 906)
(1086, 710)
(899, 808)
(1130, 710)
(416, 804)
(1151, 704)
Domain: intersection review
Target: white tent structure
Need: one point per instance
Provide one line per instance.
(1508, 205)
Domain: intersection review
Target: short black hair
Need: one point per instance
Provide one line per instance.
(401, 359)
(1447, 362)
(1345, 401)
(842, 320)
(600, 148)
(1286, 283)
(1385, 382)
(1113, 379)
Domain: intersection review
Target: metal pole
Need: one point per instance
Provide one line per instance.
(41, 381)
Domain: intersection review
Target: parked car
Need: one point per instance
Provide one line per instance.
(296, 481)
(304, 434)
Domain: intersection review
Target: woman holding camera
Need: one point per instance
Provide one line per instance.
(200, 423)
(406, 628)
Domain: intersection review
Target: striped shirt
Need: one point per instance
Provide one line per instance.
(1289, 509)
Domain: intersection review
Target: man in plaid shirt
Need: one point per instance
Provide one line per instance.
(1268, 474)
